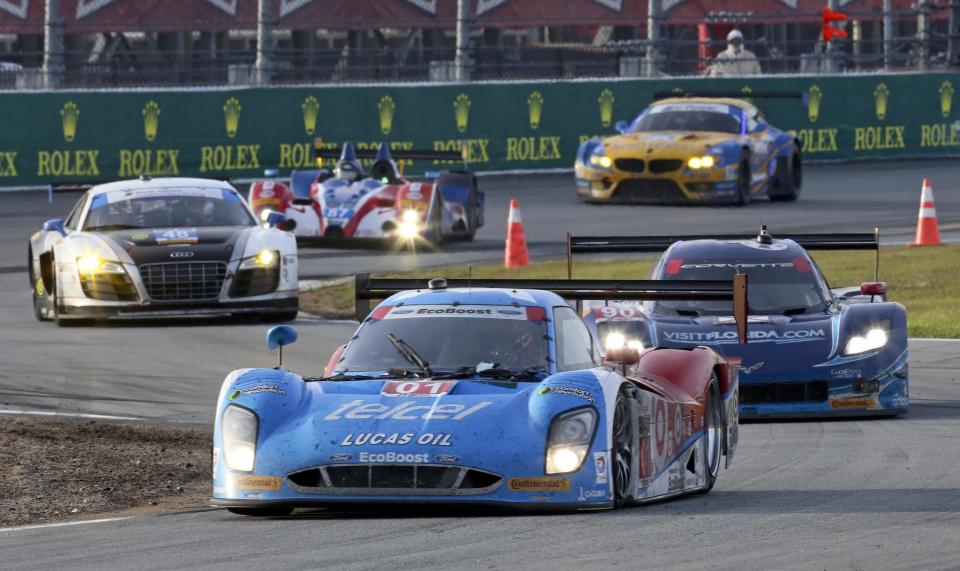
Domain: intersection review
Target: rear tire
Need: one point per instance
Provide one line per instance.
(36, 297)
(623, 451)
(713, 435)
(261, 512)
(464, 180)
(789, 179)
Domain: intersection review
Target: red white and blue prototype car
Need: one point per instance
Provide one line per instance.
(483, 393)
(349, 202)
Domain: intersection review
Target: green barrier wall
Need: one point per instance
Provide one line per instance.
(86, 136)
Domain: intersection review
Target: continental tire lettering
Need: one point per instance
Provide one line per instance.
(539, 485)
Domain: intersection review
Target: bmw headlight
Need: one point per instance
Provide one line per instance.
(239, 430)
(598, 159)
(263, 260)
(870, 340)
(704, 162)
(97, 265)
(569, 440)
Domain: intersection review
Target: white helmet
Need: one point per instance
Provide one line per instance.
(734, 35)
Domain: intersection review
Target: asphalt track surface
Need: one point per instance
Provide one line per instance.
(845, 494)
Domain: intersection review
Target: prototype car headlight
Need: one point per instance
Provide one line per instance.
(239, 429)
(704, 162)
(97, 265)
(265, 259)
(569, 440)
(617, 340)
(871, 339)
(410, 216)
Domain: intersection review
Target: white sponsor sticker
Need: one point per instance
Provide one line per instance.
(407, 410)
(601, 465)
(481, 311)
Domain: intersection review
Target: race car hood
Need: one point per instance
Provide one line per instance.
(672, 143)
(216, 243)
(492, 425)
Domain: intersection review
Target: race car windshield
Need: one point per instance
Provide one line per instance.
(688, 120)
(200, 208)
(450, 341)
(775, 287)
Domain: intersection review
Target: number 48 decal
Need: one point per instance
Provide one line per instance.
(417, 388)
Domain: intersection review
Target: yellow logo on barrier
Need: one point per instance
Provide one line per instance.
(746, 91)
(535, 106)
(461, 109)
(231, 116)
(69, 116)
(946, 98)
(386, 108)
(880, 97)
(813, 103)
(606, 100)
(151, 120)
(310, 108)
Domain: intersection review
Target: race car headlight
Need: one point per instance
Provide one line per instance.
(569, 440)
(96, 265)
(617, 340)
(410, 216)
(600, 160)
(265, 259)
(239, 429)
(408, 230)
(872, 339)
(704, 162)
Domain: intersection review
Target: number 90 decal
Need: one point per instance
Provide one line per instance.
(620, 311)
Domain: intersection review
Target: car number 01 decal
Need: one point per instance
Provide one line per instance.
(417, 388)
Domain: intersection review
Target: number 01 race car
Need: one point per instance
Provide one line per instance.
(691, 150)
(349, 202)
(813, 351)
(485, 393)
(165, 247)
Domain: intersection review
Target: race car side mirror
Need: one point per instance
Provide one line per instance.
(288, 225)
(873, 288)
(277, 337)
(621, 126)
(55, 225)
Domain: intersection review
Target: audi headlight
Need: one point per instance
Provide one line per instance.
(704, 162)
(869, 340)
(265, 259)
(569, 440)
(96, 265)
(239, 429)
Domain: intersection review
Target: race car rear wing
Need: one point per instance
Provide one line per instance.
(368, 289)
(632, 244)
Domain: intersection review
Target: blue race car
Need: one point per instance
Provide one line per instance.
(813, 351)
(480, 393)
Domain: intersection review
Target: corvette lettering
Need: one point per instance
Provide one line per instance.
(409, 410)
(396, 439)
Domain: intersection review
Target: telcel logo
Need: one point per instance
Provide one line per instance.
(181, 254)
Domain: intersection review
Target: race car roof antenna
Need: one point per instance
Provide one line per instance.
(764, 237)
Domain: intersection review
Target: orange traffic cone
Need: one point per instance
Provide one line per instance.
(515, 255)
(927, 232)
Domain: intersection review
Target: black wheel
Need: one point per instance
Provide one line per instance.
(743, 181)
(469, 181)
(261, 512)
(713, 437)
(38, 293)
(623, 451)
(786, 188)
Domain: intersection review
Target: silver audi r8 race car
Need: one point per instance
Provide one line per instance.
(164, 247)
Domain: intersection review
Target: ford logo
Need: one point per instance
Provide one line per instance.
(182, 254)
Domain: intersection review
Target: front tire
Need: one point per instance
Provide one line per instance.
(789, 178)
(623, 451)
(37, 297)
(261, 512)
(743, 181)
(713, 435)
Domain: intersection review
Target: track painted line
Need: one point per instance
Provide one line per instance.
(935, 339)
(68, 415)
(63, 524)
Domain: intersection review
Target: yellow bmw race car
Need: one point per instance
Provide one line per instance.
(685, 150)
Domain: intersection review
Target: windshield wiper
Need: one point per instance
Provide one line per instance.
(408, 353)
(388, 374)
(495, 373)
(112, 227)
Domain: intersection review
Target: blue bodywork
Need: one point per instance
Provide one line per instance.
(495, 430)
(793, 365)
